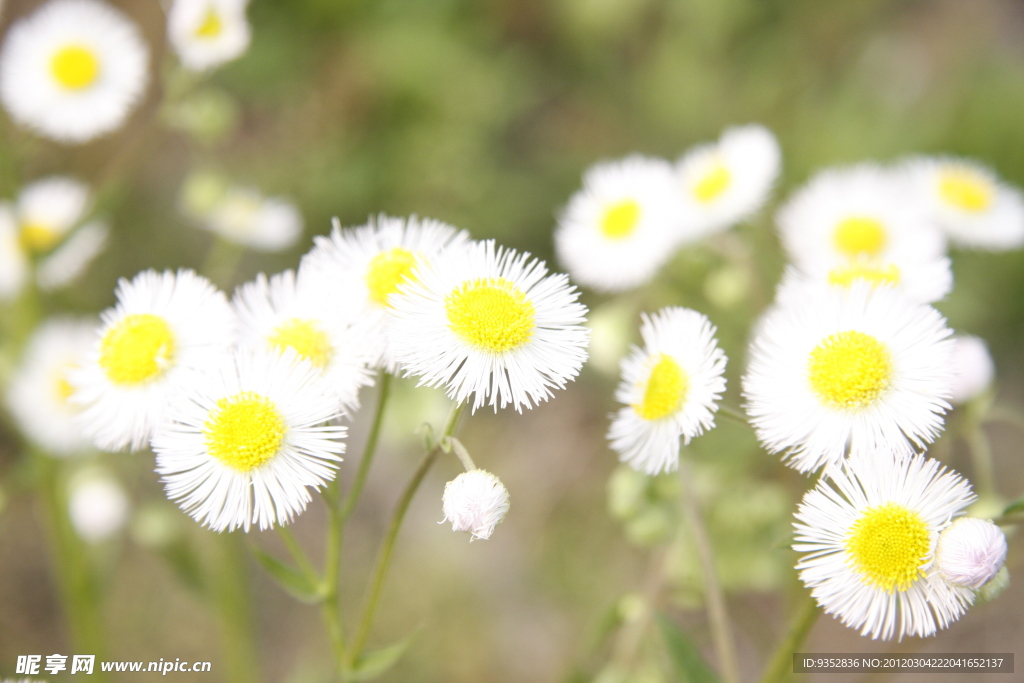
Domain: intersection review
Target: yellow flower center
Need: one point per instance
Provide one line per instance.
(849, 369)
(62, 388)
(965, 189)
(75, 67)
(712, 183)
(876, 274)
(666, 390)
(860, 235)
(244, 431)
(387, 270)
(137, 349)
(491, 314)
(37, 237)
(211, 25)
(306, 338)
(620, 219)
(888, 545)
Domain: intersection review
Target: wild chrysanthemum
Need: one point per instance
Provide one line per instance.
(969, 202)
(208, 33)
(285, 312)
(244, 216)
(621, 227)
(670, 387)
(847, 370)
(971, 552)
(246, 441)
(163, 324)
(475, 501)
(868, 533)
(73, 69)
(490, 324)
(721, 183)
(48, 209)
(365, 266)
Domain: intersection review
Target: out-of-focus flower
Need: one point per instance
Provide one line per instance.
(48, 209)
(39, 394)
(246, 440)
(973, 369)
(97, 504)
(670, 387)
(73, 69)
(14, 265)
(971, 552)
(475, 501)
(208, 33)
(244, 216)
(868, 532)
(69, 260)
(848, 369)
(163, 325)
(490, 324)
(621, 227)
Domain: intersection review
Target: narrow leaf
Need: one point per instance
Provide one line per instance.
(291, 579)
(686, 658)
(374, 664)
(1015, 507)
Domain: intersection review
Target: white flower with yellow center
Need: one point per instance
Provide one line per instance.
(724, 182)
(621, 227)
(247, 440)
(163, 325)
(73, 69)
(969, 202)
(848, 369)
(670, 387)
(366, 265)
(68, 261)
(48, 209)
(40, 391)
(286, 313)
(922, 282)
(244, 216)
(868, 534)
(208, 33)
(490, 324)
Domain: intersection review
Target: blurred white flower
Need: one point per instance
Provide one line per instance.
(973, 369)
(208, 33)
(69, 260)
(48, 209)
(971, 551)
(14, 265)
(244, 216)
(475, 501)
(98, 505)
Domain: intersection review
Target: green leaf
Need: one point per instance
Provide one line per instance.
(373, 664)
(291, 579)
(1014, 507)
(686, 658)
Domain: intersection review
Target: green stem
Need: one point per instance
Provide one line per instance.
(368, 450)
(718, 615)
(733, 414)
(231, 594)
(305, 566)
(461, 453)
(384, 558)
(780, 667)
(981, 455)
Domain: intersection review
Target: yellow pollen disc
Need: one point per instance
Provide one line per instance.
(888, 545)
(244, 431)
(75, 67)
(620, 219)
(62, 388)
(849, 369)
(875, 274)
(713, 183)
(666, 390)
(37, 237)
(859, 236)
(491, 314)
(387, 270)
(211, 26)
(965, 189)
(138, 348)
(306, 338)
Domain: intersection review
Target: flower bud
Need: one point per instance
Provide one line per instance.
(475, 501)
(972, 368)
(971, 551)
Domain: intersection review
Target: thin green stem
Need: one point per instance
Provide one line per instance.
(718, 615)
(369, 449)
(305, 566)
(231, 595)
(981, 456)
(388, 546)
(461, 453)
(733, 414)
(780, 666)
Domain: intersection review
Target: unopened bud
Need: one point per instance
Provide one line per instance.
(475, 501)
(971, 551)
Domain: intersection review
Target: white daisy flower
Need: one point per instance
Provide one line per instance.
(48, 209)
(246, 440)
(724, 182)
(489, 323)
(73, 69)
(920, 281)
(40, 391)
(971, 552)
(97, 505)
(621, 227)
(14, 265)
(69, 260)
(208, 33)
(286, 312)
(475, 501)
(848, 370)
(969, 202)
(163, 325)
(869, 532)
(973, 369)
(365, 265)
(670, 387)
(244, 216)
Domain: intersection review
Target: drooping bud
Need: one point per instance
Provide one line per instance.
(475, 501)
(971, 551)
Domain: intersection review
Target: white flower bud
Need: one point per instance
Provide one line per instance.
(973, 368)
(971, 551)
(475, 501)
(98, 506)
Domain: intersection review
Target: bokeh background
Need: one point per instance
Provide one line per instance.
(484, 114)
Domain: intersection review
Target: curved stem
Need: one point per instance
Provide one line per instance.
(733, 414)
(780, 666)
(981, 455)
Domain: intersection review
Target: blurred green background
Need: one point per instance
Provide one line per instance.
(484, 114)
